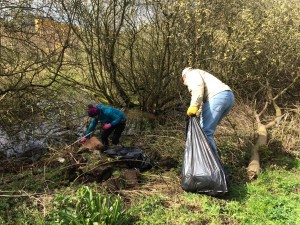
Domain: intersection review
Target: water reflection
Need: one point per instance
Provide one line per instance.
(32, 139)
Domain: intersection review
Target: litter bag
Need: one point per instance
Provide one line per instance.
(202, 171)
(135, 157)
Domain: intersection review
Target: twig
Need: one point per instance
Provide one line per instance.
(78, 140)
(20, 195)
(3, 96)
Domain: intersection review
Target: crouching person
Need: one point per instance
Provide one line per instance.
(114, 122)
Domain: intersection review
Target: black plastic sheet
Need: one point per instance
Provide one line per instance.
(202, 171)
(135, 157)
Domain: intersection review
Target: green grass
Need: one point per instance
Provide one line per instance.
(272, 199)
(51, 193)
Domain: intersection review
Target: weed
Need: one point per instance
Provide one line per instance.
(87, 208)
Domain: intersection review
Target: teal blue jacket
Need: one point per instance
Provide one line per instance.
(107, 114)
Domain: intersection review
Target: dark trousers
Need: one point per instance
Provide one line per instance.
(117, 131)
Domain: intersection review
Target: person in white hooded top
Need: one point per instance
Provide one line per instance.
(210, 98)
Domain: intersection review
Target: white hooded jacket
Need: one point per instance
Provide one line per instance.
(202, 86)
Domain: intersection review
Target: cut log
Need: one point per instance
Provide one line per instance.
(254, 165)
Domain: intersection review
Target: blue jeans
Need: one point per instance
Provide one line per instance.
(212, 113)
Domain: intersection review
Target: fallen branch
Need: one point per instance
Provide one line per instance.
(261, 142)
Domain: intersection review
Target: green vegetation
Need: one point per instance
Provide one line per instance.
(53, 193)
(130, 54)
(87, 207)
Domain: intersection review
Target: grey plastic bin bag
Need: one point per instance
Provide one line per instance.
(202, 171)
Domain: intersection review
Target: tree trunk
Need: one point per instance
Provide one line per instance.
(254, 164)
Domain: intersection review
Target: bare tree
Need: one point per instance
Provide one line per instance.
(32, 48)
(128, 51)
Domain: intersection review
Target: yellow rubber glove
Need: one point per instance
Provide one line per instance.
(192, 111)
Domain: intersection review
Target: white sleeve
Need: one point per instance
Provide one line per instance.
(196, 87)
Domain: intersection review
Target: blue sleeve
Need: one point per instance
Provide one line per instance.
(92, 127)
(115, 117)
